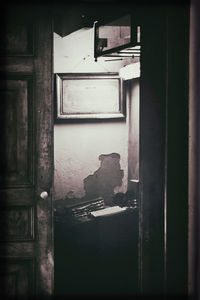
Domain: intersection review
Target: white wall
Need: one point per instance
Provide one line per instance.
(77, 149)
(78, 146)
(75, 53)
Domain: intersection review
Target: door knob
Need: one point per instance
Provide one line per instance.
(44, 195)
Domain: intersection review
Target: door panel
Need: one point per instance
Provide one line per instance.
(16, 116)
(22, 43)
(26, 159)
(18, 276)
(17, 223)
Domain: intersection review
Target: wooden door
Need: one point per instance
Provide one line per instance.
(163, 149)
(26, 159)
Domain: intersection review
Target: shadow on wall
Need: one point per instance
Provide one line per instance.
(101, 184)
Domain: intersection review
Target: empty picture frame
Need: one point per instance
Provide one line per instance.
(89, 96)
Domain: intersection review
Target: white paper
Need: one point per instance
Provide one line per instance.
(108, 211)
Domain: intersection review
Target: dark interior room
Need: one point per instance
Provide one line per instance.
(99, 161)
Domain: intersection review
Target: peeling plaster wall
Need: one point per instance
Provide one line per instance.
(77, 150)
(78, 146)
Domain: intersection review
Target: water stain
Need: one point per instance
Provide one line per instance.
(105, 179)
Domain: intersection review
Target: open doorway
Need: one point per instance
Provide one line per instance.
(96, 167)
(26, 186)
(162, 170)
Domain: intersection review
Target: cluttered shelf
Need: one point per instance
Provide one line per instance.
(89, 210)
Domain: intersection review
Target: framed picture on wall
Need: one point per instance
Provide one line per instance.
(89, 96)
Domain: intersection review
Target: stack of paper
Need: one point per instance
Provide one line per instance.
(108, 211)
(83, 209)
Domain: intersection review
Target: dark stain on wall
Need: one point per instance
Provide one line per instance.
(105, 179)
(101, 184)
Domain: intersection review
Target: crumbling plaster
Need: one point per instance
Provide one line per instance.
(78, 146)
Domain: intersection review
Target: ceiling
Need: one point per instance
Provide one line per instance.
(71, 17)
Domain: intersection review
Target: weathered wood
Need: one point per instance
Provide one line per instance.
(24, 196)
(163, 150)
(26, 151)
(177, 151)
(17, 249)
(152, 150)
(25, 65)
(44, 158)
(17, 277)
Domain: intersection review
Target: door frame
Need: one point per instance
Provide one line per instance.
(163, 136)
(164, 149)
